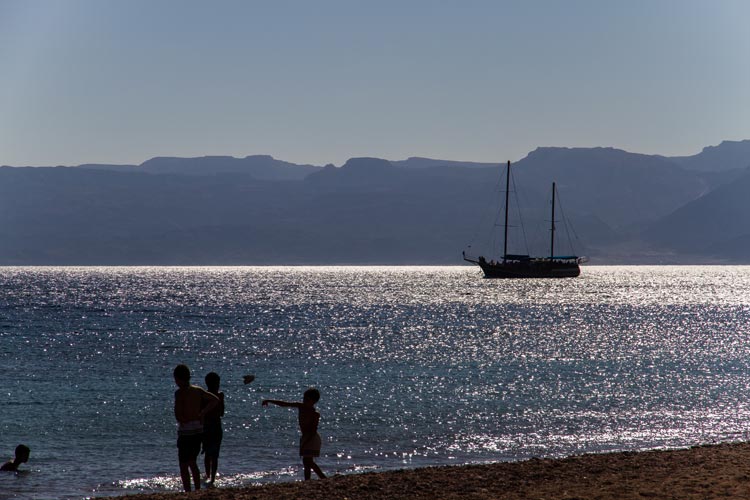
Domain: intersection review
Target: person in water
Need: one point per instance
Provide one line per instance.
(309, 443)
(191, 404)
(21, 457)
(212, 431)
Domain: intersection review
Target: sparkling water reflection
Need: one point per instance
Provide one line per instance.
(417, 366)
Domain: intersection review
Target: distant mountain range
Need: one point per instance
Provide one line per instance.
(620, 207)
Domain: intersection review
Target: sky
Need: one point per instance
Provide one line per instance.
(100, 81)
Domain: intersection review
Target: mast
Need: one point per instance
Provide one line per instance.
(552, 229)
(507, 192)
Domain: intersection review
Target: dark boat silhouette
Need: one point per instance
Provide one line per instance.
(525, 266)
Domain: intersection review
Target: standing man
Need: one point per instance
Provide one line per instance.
(191, 403)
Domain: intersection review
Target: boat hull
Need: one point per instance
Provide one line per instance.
(544, 269)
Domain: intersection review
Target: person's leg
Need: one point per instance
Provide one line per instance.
(185, 475)
(196, 475)
(317, 469)
(193, 449)
(210, 468)
(215, 454)
(183, 456)
(214, 468)
(306, 461)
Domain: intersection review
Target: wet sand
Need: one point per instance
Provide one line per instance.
(705, 472)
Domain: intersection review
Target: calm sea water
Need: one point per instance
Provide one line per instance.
(416, 365)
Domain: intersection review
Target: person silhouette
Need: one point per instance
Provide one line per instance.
(191, 404)
(21, 456)
(309, 443)
(212, 430)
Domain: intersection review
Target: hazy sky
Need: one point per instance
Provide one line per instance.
(321, 81)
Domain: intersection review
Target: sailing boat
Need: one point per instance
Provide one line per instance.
(524, 266)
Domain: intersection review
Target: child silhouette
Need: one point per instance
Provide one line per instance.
(309, 443)
(212, 431)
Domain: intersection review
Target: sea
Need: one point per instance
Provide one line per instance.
(417, 366)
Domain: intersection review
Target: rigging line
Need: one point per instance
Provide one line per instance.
(520, 213)
(551, 226)
(495, 235)
(484, 214)
(568, 227)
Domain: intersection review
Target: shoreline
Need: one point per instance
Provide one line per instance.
(700, 472)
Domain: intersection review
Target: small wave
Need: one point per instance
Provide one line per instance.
(158, 483)
(258, 477)
(174, 483)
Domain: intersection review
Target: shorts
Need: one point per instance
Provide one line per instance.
(188, 447)
(212, 441)
(309, 445)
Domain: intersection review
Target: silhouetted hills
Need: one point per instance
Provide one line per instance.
(365, 171)
(626, 190)
(623, 207)
(111, 168)
(728, 155)
(258, 166)
(717, 224)
(419, 162)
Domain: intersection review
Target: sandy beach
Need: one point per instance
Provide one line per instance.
(704, 472)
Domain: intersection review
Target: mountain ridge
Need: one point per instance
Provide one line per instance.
(625, 207)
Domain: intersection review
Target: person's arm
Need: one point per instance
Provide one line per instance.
(221, 404)
(211, 402)
(285, 404)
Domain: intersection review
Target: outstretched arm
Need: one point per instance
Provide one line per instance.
(211, 402)
(285, 404)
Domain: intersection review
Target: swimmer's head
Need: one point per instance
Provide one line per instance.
(22, 453)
